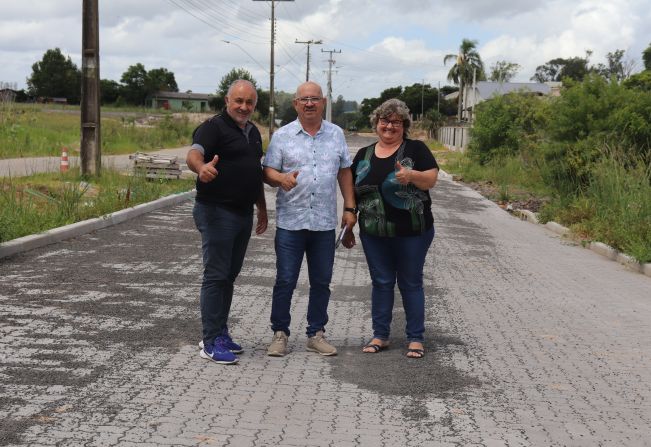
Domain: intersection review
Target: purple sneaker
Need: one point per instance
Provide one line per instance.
(230, 344)
(218, 353)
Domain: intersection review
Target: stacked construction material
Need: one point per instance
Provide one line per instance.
(156, 166)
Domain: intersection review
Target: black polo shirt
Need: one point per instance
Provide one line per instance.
(239, 180)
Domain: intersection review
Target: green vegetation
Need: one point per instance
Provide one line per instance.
(30, 130)
(30, 205)
(587, 153)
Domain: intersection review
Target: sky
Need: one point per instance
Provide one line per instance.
(377, 44)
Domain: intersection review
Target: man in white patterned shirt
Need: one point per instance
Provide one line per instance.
(305, 159)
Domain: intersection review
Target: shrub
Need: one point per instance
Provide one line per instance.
(587, 116)
(507, 125)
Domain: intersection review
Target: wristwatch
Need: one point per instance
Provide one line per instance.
(351, 210)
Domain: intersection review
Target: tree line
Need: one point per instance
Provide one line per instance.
(56, 76)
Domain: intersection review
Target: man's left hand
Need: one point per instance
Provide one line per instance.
(263, 221)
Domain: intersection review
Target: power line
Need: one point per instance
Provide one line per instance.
(247, 53)
(218, 16)
(201, 19)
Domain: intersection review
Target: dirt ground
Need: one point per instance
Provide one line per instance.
(517, 199)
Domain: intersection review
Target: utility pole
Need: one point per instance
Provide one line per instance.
(271, 67)
(474, 94)
(438, 99)
(331, 62)
(422, 99)
(90, 150)
(308, 42)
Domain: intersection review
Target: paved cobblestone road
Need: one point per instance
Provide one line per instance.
(531, 342)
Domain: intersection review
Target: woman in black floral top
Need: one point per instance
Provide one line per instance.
(392, 181)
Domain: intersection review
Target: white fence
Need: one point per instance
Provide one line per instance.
(454, 137)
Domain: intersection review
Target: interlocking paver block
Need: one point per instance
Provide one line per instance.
(530, 341)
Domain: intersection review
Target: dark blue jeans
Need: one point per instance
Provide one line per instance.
(402, 259)
(225, 235)
(319, 248)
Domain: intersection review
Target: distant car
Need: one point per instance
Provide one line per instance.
(352, 128)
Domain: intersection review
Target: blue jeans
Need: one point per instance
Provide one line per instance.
(319, 248)
(225, 235)
(401, 258)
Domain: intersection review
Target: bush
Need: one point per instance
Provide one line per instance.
(587, 116)
(507, 125)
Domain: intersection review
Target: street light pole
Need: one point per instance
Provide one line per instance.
(271, 67)
(308, 42)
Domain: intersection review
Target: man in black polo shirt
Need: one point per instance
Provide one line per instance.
(225, 153)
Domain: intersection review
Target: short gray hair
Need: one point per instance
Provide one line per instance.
(388, 108)
(245, 82)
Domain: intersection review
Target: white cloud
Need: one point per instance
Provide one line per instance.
(383, 43)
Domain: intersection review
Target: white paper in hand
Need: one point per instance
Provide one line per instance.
(341, 236)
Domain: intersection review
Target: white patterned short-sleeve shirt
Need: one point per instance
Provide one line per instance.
(312, 204)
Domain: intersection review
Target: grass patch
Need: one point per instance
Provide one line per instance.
(614, 209)
(31, 130)
(30, 205)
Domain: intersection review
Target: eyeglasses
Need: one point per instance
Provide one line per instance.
(306, 99)
(394, 123)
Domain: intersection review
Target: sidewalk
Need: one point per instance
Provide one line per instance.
(20, 167)
(530, 341)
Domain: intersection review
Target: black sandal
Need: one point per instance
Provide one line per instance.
(420, 353)
(376, 348)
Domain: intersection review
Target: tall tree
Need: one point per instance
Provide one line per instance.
(109, 91)
(468, 65)
(55, 76)
(646, 57)
(617, 68)
(419, 98)
(503, 71)
(556, 69)
(160, 79)
(135, 82)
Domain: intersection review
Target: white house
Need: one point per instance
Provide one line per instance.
(483, 90)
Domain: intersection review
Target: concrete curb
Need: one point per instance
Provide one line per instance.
(598, 247)
(78, 228)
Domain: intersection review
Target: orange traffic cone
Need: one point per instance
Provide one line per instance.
(64, 160)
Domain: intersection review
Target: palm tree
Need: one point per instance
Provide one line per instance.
(468, 64)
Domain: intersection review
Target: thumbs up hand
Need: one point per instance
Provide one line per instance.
(289, 181)
(208, 171)
(403, 175)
